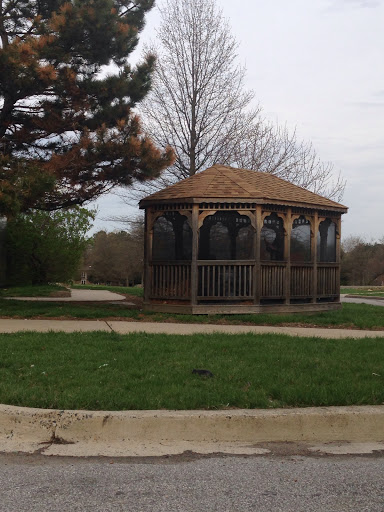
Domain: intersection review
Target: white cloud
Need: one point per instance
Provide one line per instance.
(358, 4)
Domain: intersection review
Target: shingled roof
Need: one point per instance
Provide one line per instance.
(229, 184)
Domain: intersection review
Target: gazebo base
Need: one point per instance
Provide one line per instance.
(238, 309)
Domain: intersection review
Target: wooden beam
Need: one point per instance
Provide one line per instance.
(338, 253)
(148, 230)
(287, 254)
(257, 267)
(195, 252)
(315, 230)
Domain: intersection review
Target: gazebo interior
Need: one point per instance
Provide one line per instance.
(231, 240)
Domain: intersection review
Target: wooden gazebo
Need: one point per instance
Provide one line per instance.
(231, 240)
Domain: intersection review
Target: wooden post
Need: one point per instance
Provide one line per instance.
(148, 230)
(338, 250)
(257, 266)
(195, 250)
(287, 255)
(315, 228)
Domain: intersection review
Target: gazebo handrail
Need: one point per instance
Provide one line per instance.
(225, 262)
(170, 262)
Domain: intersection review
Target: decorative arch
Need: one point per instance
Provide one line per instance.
(326, 240)
(301, 234)
(226, 235)
(272, 237)
(172, 237)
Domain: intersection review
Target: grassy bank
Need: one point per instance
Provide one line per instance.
(366, 291)
(46, 290)
(358, 316)
(106, 371)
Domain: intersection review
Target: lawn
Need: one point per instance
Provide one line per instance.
(358, 316)
(107, 371)
(46, 290)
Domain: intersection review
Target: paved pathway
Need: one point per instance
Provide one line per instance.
(363, 300)
(78, 296)
(107, 296)
(8, 325)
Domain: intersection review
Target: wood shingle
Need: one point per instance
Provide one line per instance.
(228, 184)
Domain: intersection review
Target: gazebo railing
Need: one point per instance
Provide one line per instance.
(171, 280)
(327, 279)
(301, 279)
(234, 280)
(272, 279)
(224, 280)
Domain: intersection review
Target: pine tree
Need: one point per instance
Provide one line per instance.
(67, 131)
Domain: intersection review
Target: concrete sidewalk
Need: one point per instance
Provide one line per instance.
(8, 325)
(77, 296)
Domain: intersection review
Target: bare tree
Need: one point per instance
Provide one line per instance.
(274, 149)
(198, 105)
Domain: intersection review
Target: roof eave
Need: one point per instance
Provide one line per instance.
(198, 200)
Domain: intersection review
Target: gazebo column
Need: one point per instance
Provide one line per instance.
(287, 255)
(338, 252)
(257, 265)
(315, 230)
(195, 250)
(148, 253)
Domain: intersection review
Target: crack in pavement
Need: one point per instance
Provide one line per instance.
(110, 326)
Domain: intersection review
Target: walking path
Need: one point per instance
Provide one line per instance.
(78, 296)
(8, 325)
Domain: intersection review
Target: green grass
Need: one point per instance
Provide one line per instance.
(374, 291)
(107, 371)
(46, 290)
(358, 316)
(130, 290)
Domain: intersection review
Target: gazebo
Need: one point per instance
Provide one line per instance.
(230, 240)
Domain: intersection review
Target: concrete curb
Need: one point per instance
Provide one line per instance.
(20, 425)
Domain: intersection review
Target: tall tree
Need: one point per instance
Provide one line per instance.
(199, 106)
(45, 247)
(362, 262)
(116, 257)
(67, 131)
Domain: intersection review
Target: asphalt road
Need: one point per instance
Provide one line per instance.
(289, 483)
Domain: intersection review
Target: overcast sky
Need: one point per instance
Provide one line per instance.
(318, 66)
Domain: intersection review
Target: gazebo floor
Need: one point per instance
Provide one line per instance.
(233, 309)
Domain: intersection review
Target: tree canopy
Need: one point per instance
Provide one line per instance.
(362, 262)
(116, 257)
(46, 247)
(67, 130)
